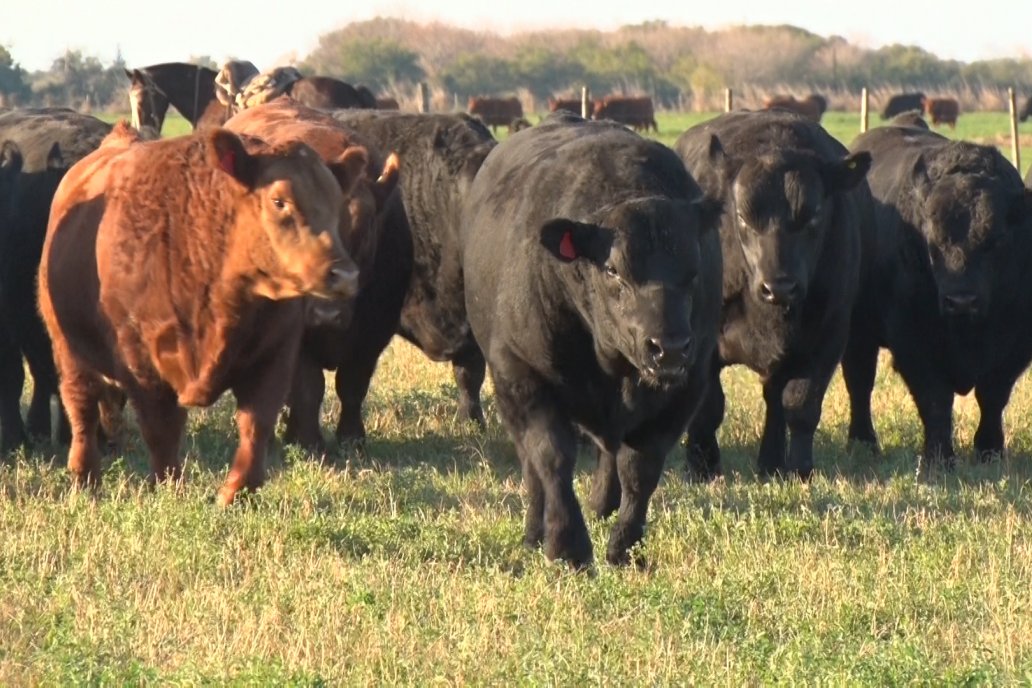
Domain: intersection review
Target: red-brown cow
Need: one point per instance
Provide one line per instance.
(635, 112)
(284, 120)
(812, 106)
(941, 110)
(171, 268)
(387, 103)
(495, 112)
(570, 105)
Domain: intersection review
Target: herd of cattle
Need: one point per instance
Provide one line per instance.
(603, 279)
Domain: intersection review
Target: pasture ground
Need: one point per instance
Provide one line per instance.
(403, 565)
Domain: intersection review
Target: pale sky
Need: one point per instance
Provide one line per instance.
(274, 33)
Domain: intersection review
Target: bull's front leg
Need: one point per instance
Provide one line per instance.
(547, 448)
(260, 393)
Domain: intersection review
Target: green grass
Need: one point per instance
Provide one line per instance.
(404, 565)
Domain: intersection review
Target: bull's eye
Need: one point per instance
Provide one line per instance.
(611, 271)
(279, 203)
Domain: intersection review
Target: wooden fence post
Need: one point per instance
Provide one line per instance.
(424, 97)
(864, 103)
(585, 102)
(728, 100)
(1015, 144)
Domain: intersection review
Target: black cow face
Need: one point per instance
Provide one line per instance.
(633, 276)
(969, 223)
(782, 206)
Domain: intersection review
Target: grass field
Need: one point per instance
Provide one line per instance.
(403, 565)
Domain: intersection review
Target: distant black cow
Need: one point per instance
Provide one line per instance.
(1026, 111)
(948, 292)
(440, 155)
(592, 279)
(903, 102)
(794, 199)
(44, 143)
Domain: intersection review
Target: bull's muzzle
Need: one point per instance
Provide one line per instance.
(783, 291)
(959, 304)
(342, 282)
(668, 356)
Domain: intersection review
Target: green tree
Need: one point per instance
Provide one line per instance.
(377, 62)
(546, 72)
(474, 74)
(13, 86)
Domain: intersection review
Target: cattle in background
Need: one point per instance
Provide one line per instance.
(172, 268)
(387, 103)
(903, 102)
(495, 112)
(191, 90)
(1026, 111)
(42, 144)
(812, 106)
(440, 155)
(942, 110)
(365, 97)
(636, 112)
(795, 202)
(592, 282)
(947, 289)
(374, 225)
(571, 105)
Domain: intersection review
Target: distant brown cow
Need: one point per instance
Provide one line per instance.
(941, 110)
(812, 106)
(635, 112)
(281, 121)
(570, 105)
(495, 112)
(171, 268)
(387, 103)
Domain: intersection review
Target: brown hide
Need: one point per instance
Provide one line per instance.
(495, 111)
(172, 268)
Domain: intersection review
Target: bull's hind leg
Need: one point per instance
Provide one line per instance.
(12, 378)
(469, 368)
(859, 367)
(604, 498)
(305, 400)
(161, 421)
(80, 394)
(703, 449)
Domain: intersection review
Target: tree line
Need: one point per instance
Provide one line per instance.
(674, 64)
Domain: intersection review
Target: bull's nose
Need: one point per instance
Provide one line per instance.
(960, 304)
(668, 352)
(342, 281)
(783, 291)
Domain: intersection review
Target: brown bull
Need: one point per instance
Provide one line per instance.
(812, 106)
(172, 269)
(284, 120)
(635, 112)
(941, 110)
(495, 112)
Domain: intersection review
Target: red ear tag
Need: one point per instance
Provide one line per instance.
(566, 248)
(228, 162)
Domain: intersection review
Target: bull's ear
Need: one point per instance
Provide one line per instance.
(387, 180)
(919, 177)
(349, 167)
(10, 158)
(568, 240)
(844, 174)
(229, 155)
